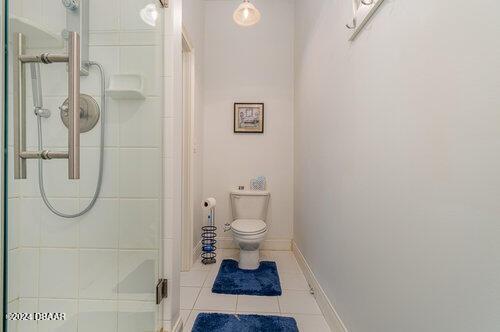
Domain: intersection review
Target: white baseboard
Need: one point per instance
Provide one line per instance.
(271, 244)
(326, 306)
(196, 252)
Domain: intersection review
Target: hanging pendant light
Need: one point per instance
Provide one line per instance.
(246, 14)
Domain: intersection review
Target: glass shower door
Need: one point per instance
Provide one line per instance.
(83, 160)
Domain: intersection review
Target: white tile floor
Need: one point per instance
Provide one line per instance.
(296, 301)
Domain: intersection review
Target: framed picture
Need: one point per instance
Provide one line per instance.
(249, 118)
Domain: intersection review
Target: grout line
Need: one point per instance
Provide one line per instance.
(119, 171)
(89, 248)
(188, 318)
(197, 297)
(29, 196)
(77, 314)
(88, 299)
(39, 251)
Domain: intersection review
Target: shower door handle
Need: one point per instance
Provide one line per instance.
(19, 78)
(74, 106)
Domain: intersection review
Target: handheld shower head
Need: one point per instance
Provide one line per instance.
(36, 83)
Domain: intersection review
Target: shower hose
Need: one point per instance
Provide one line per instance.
(101, 155)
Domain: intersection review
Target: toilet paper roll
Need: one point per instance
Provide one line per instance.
(209, 203)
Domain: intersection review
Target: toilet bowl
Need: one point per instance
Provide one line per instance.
(249, 228)
(248, 236)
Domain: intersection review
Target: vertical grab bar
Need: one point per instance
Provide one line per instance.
(74, 105)
(19, 79)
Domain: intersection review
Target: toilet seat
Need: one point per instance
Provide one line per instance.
(249, 226)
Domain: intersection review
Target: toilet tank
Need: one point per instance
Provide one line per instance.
(247, 204)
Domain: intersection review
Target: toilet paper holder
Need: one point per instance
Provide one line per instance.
(208, 234)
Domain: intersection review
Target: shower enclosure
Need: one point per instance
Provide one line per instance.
(82, 165)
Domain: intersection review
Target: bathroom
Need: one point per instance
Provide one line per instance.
(334, 161)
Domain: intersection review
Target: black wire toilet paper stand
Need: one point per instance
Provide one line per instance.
(208, 241)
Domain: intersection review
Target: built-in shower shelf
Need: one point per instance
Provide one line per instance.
(126, 86)
(37, 35)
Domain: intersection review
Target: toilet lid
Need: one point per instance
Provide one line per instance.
(249, 226)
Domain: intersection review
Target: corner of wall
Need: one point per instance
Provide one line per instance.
(324, 303)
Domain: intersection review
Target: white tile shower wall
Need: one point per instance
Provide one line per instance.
(101, 268)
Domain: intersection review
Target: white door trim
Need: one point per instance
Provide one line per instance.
(187, 152)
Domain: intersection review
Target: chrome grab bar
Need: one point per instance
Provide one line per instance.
(19, 77)
(74, 106)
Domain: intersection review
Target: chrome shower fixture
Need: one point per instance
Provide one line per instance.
(89, 113)
(20, 61)
(71, 4)
(77, 20)
(36, 84)
(89, 116)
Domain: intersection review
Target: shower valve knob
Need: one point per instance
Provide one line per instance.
(89, 113)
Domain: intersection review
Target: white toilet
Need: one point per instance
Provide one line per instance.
(249, 226)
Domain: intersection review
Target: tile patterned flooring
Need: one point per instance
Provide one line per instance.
(296, 301)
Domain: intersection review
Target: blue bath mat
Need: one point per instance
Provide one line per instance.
(232, 280)
(243, 323)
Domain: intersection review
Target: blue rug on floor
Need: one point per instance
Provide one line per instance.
(232, 280)
(243, 323)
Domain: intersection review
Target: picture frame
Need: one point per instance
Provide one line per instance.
(248, 118)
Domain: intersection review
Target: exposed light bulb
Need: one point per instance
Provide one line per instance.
(149, 14)
(246, 14)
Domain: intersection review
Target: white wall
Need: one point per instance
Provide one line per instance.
(250, 65)
(397, 159)
(193, 21)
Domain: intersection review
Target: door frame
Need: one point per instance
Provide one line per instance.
(188, 87)
(3, 161)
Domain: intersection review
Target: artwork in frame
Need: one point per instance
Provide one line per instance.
(249, 118)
